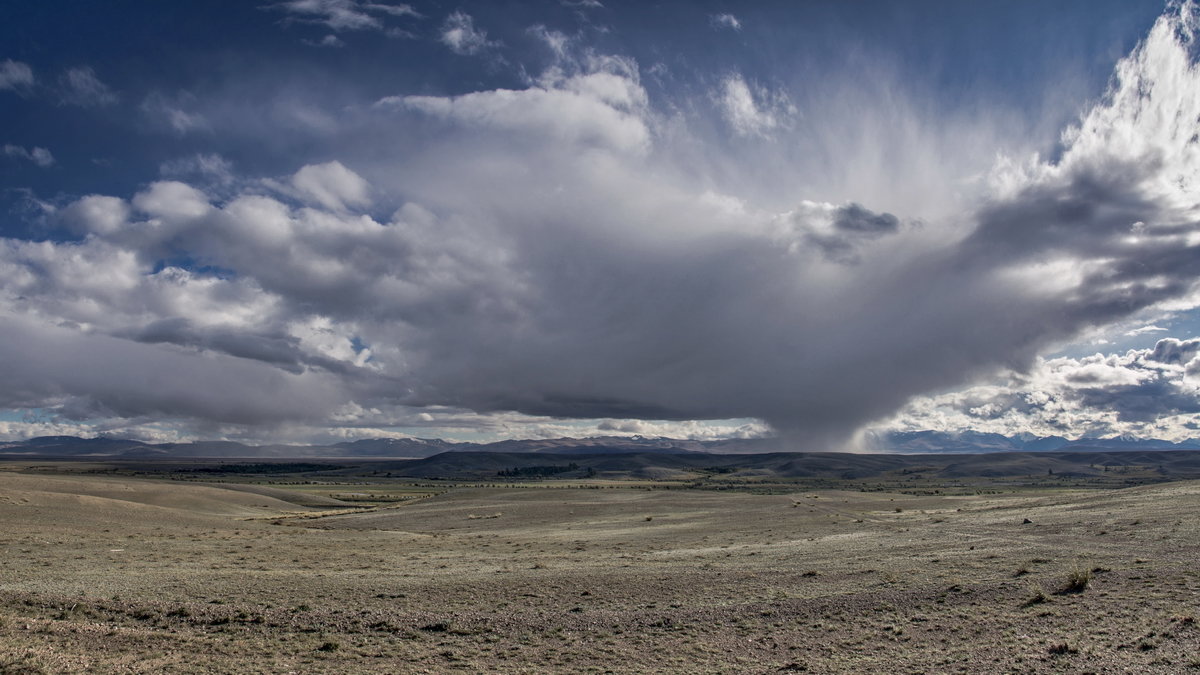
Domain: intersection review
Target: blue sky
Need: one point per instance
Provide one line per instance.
(314, 220)
(251, 56)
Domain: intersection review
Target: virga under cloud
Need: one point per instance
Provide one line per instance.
(587, 243)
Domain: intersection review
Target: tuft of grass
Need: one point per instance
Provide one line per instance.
(1062, 648)
(1078, 580)
(144, 614)
(1037, 597)
(330, 646)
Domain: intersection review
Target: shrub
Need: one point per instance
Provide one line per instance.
(1062, 648)
(1078, 580)
(1037, 597)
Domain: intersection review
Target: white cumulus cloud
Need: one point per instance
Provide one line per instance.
(331, 185)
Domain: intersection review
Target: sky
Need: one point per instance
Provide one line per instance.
(311, 221)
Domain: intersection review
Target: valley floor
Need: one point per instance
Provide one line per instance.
(121, 575)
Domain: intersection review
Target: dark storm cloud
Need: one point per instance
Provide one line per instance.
(558, 249)
(1146, 402)
(43, 366)
(851, 226)
(854, 219)
(279, 350)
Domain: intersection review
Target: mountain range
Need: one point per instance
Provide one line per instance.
(909, 442)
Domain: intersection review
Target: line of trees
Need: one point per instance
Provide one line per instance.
(536, 471)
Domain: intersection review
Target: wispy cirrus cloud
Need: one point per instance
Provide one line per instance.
(15, 75)
(173, 112)
(81, 87)
(726, 21)
(751, 111)
(343, 15)
(201, 167)
(39, 156)
(460, 34)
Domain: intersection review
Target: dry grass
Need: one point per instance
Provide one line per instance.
(1078, 579)
(142, 576)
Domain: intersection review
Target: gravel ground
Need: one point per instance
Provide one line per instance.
(140, 576)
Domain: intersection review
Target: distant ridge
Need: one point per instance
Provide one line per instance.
(976, 442)
(71, 446)
(1170, 465)
(908, 443)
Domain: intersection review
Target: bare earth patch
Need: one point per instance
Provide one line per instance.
(141, 576)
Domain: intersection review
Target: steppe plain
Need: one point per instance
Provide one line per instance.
(111, 572)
